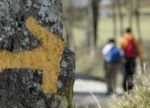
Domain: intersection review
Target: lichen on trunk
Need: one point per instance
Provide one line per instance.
(21, 87)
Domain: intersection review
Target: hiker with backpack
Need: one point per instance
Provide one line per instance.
(132, 50)
(112, 59)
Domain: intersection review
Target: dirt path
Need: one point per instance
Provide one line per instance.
(91, 94)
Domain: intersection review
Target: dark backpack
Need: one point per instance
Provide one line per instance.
(130, 49)
(113, 55)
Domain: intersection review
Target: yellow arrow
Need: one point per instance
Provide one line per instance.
(46, 57)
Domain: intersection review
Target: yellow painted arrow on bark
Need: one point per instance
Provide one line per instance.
(46, 57)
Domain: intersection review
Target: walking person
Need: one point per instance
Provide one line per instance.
(112, 58)
(132, 50)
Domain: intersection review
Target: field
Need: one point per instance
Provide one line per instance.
(85, 64)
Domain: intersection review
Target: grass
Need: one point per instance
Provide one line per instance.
(139, 97)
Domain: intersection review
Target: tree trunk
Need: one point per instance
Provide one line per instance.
(130, 13)
(91, 29)
(120, 16)
(137, 19)
(87, 32)
(69, 35)
(68, 21)
(114, 18)
(99, 21)
(95, 13)
(37, 68)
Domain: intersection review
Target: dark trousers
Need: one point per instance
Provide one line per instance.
(130, 66)
(111, 73)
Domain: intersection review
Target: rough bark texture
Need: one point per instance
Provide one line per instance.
(20, 88)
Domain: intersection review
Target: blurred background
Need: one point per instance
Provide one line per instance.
(88, 24)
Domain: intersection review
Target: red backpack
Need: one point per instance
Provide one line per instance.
(130, 49)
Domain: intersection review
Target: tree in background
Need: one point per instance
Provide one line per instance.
(137, 19)
(130, 12)
(114, 18)
(92, 25)
(120, 15)
(95, 9)
(68, 23)
(69, 35)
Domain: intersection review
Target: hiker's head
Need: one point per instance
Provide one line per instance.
(128, 30)
(111, 41)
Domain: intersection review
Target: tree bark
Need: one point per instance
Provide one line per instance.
(22, 87)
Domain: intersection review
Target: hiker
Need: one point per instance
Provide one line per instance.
(132, 50)
(112, 58)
